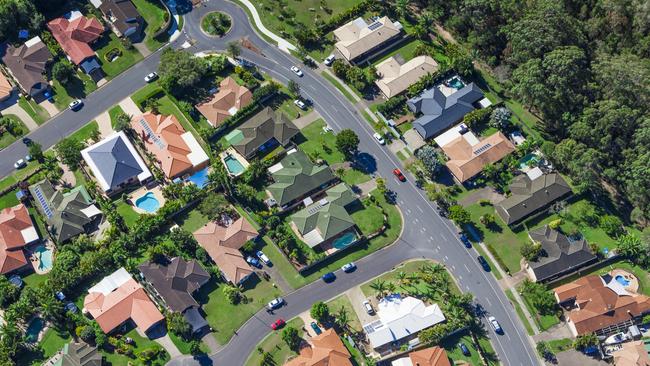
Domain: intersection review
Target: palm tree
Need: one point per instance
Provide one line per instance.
(390, 287)
(402, 7)
(379, 287)
(401, 278)
(342, 318)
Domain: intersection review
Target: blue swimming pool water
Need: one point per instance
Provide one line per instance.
(622, 280)
(233, 165)
(44, 254)
(527, 159)
(34, 329)
(148, 202)
(199, 178)
(345, 240)
(456, 83)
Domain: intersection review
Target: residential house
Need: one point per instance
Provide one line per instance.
(174, 283)
(118, 298)
(123, 17)
(296, 178)
(68, 214)
(115, 163)
(223, 243)
(600, 305)
(560, 254)
(327, 219)
(79, 354)
(531, 193)
(395, 75)
(357, 40)
(633, 353)
(400, 320)
(27, 65)
(262, 133)
(75, 33)
(6, 89)
(323, 349)
(176, 151)
(228, 100)
(439, 108)
(468, 155)
(16, 231)
(432, 356)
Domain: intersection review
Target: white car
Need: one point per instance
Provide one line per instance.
(20, 164)
(260, 254)
(349, 267)
(368, 307)
(75, 104)
(300, 104)
(151, 77)
(379, 139)
(297, 71)
(275, 303)
(495, 324)
(329, 60)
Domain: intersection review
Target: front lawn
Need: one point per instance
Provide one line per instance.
(140, 344)
(274, 344)
(343, 301)
(78, 88)
(154, 15)
(86, 132)
(38, 113)
(368, 217)
(544, 322)
(113, 113)
(109, 45)
(7, 138)
(408, 268)
(450, 344)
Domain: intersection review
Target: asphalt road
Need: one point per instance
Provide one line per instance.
(425, 233)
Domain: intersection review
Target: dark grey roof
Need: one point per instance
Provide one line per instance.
(90, 64)
(560, 254)
(80, 354)
(195, 319)
(529, 196)
(439, 112)
(176, 281)
(125, 14)
(262, 127)
(27, 64)
(115, 161)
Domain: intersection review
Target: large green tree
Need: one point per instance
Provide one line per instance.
(16, 15)
(181, 71)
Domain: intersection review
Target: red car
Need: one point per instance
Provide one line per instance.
(399, 175)
(278, 324)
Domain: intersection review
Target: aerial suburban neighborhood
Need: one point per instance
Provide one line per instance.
(324, 182)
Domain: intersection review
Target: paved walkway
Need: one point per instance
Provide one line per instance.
(51, 109)
(367, 187)
(10, 106)
(211, 342)
(558, 331)
(283, 44)
(306, 120)
(68, 176)
(104, 122)
(129, 107)
(169, 346)
(344, 85)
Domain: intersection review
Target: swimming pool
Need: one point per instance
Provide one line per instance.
(345, 240)
(34, 329)
(622, 280)
(199, 178)
(44, 254)
(528, 160)
(456, 83)
(233, 165)
(148, 202)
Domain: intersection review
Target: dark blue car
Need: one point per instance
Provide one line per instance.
(484, 263)
(465, 241)
(329, 277)
(464, 349)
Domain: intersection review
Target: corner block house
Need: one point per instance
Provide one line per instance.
(123, 17)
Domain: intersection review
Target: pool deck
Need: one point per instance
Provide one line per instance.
(157, 192)
(36, 261)
(633, 286)
(232, 152)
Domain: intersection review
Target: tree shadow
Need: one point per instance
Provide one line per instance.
(364, 162)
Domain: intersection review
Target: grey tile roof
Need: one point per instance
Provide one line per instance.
(124, 12)
(262, 127)
(115, 161)
(79, 354)
(297, 178)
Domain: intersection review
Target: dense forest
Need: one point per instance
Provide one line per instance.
(582, 66)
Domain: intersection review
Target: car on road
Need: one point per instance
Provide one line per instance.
(463, 348)
(20, 164)
(300, 104)
(329, 60)
(275, 303)
(28, 157)
(349, 267)
(297, 71)
(245, 63)
(260, 254)
(379, 139)
(278, 324)
(463, 238)
(368, 307)
(329, 277)
(27, 141)
(151, 77)
(316, 328)
(399, 175)
(483, 263)
(495, 324)
(75, 105)
(253, 262)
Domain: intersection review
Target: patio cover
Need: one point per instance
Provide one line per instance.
(91, 211)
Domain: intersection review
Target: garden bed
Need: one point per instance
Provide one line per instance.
(216, 23)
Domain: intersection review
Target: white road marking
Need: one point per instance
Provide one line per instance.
(466, 268)
(488, 301)
(420, 208)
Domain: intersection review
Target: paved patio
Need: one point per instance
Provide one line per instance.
(413, 139)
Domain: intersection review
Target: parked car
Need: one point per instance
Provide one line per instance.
(300, 104)
(245, 63)
(329, 60)
(253, 262)
(59, 296)
(275, 303)
(71, 307)
(399, 175)
(27, 141)
(76, 105)
(379, 138)
(464, 240)
(316, 328)
(28, 157)
(484, 263)
(20, 164)
(464, 349)
(151, 77)
(329, 277)
(368, 307)
(260, 254)
(278, 324)
(495, 324)
(297, 71)
(349, 267)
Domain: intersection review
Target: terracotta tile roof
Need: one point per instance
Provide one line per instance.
(74, 36)
(128, 301)
(5, 87)
(234, 236)
(325, 349)
(16, 231)
(231, 263)
(600, 302)
(632, 354)
(432, 356)
(230, 98)
(396, 77)
(466, 160)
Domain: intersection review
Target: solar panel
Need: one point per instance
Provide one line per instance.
(482, 149)
(374, 25)
(43, 202)
(151, 135)
(317, 207)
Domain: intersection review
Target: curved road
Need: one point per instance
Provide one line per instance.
(425, 233)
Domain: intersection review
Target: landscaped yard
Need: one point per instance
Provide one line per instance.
(38, 113)
(113, 113)
(368, 217)
(126, 211)
(86, 132)
(140, 345)
(408, 268)
(51, 343)
(78, 88)
(406, 50)
(450, 344)
(110, 45)
(544, 322)
(638, 272)
(154, 15)
(7, 138)
(343, 301)
(274, 344)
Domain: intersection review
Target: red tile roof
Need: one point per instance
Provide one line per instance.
(74, 36)
(325, 349)
(13, 220)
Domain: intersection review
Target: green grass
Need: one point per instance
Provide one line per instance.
(141, 95)
(338, 86)
(408, 268)
(559, 345)
(450, 344)
(38, 113)
(153, 13)
(281, 263)
(401, 156)
(274, 344)
(291, 110)
(368, 218)
(224, 23)
(52, 342)
(127, 212)
(192, 220)
(127, 58)
(113, 113)
(494, 272)
(544, 322)
(85, 132)
(140, 344)
(407, 51)
(520, 312)
(78, 88)
(7, 139)
(343, 301)
(640, 273)
(34, 280)
(184, 346)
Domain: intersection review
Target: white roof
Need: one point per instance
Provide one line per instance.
(29, 234)
(91, 211)
(312, 238)
(111, 282)
(33, 41)
(399, 318)
(485, 102)
(197, 156)
(96, 3)
(404, 361)
(534, 173)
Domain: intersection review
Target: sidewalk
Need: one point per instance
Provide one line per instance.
(283, 44)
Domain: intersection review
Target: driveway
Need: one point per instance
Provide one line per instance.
(357, 298)
(575, 358)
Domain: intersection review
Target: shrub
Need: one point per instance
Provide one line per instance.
(612, 225)
(555, 224)
(459, 215)
(291, 338)
(392, 105)
(531, 251)
(320, 311)
(429, 158)
(500, 118)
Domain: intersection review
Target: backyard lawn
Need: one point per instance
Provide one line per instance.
(343, 301)
(126, 211)
(110, 44)
(7, 138)
(140, 345)
(638, 272)
(274, 344)
(154, 15)
(406, 50)
(38, 113)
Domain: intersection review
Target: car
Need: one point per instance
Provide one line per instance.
(464, 240)
(75, 105)
(278, 324)
(379, 139)
(329, 277)
(329, 60)
(260, 254)
(464, 349)
(297, 71)
(349, 267)
(20, 164)
(495, 324)
(300, 104)
(151, 77)
(27, 141)
(59, 296)
(245, 63)
(28, 158)
(483, 263)
(275, 303)
(316, 328)
(71, 307)
(399, 175)
(253, 262)
(368, 307)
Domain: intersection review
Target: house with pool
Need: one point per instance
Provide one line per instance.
(17, 231)
(115, 164)
(176, 151)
